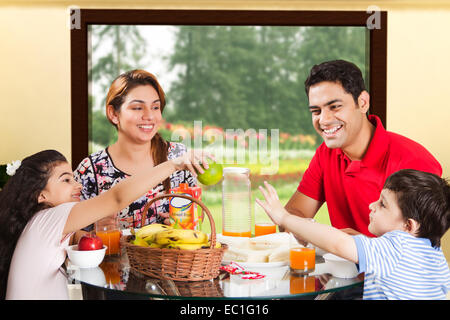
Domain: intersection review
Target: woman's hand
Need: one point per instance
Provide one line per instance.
(272, 205)
(192, 160)
(165, 216)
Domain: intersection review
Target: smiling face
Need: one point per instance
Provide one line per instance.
(335, 115)
(385, 214)
(139, 116)
(61, 186)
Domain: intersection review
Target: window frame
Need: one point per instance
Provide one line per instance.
(79, 43)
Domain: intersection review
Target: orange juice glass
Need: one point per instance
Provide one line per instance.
(263, 228)
(108, 230)
(302, 260)
(110, 238)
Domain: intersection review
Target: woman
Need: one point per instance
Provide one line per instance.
(134, 105)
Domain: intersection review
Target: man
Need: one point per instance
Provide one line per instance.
(350, 167)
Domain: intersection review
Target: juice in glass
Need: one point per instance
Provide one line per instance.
(110, 238)
(237, 234)
(108, 230)
(302, 260)
(263, 228)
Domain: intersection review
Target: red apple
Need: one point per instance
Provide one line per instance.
(90, 242)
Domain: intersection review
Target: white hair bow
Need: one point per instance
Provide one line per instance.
(12, 167)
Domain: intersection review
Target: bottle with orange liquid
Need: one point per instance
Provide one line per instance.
(236, 208)
(183, 213)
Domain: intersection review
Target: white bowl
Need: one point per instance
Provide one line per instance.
(87, 258)
(340, 267)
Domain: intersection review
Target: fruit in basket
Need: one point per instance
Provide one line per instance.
(208, 244)
(149, 232)
(90, 242)
(163, 236)
(140, 242)
(212, 175)
(185, 246)
(156, 245)
(180, 236)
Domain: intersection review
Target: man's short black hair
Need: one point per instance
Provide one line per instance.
(340, 71)
(424, 197)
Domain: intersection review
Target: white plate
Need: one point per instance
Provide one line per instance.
(258, 264)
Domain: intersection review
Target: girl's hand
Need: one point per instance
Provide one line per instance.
(272, 205)
(192, 160)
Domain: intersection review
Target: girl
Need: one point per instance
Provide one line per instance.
(40, 209)
(134, 105)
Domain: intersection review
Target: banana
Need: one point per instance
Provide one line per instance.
(192, 246)
(208, 244)
(140, 242)
(156, 245)
(148, 232)
(180, 236)
(185, 246)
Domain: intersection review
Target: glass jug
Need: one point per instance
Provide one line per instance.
(236, 199)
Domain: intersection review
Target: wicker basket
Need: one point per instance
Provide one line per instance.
(176, 264)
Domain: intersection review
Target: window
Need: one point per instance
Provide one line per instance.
(222, 69)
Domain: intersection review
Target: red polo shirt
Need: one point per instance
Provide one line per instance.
(348, 187)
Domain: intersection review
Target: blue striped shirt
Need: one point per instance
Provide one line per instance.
(400, 266)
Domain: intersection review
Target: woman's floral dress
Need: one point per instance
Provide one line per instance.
(98, 174)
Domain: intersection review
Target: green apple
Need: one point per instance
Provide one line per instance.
(212, 175)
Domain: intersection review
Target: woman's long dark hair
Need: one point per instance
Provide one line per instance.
(19, 203)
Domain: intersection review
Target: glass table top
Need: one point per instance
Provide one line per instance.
(115, 275)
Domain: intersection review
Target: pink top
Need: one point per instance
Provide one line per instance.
(41, 250)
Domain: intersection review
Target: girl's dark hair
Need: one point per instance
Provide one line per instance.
(116, 96)
(19, 203)
(340, 71)
(424, 197)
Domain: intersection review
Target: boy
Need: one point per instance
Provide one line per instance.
(409, 219)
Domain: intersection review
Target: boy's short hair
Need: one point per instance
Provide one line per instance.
(424, 197)
(343, 72)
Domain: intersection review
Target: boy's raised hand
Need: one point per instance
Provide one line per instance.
(272, 204)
